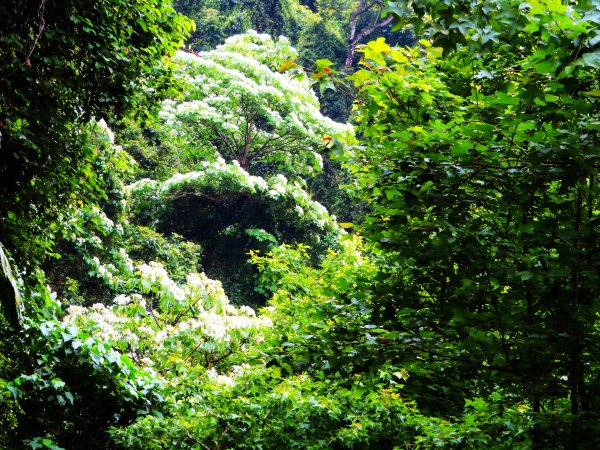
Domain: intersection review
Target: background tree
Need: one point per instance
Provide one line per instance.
(361, 13)
(216, 20)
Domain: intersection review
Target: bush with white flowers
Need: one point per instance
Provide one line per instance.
(286, 197)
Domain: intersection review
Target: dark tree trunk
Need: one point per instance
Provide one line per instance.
(353, 37)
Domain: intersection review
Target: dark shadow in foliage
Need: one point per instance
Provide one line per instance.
(218, 222)
(225, 225)
(68, 277)
(325, 188)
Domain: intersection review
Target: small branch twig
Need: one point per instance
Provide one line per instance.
(41, 27)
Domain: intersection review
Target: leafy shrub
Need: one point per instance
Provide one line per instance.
(71, 387)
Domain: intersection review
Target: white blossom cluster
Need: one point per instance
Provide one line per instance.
(227, 380)
(102, 125)
(154, 277)
(94, 220)
(85, 228)
(261, 47)
(114, 274)
(305, 207)
(217, 328)
(223, 176)
(205, 321)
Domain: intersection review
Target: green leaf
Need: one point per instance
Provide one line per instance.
(504, 99)
(322, 63)
(326, 84)
(394, 8)
(590, 59)
(461, 148)
(401, 375)
(545, 67)
(526, 275)
(14, 390)
(69, 397)
(57, 384)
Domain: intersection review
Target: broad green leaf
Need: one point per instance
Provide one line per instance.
(590, 59)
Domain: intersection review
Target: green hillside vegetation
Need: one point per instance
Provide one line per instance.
(198, 252)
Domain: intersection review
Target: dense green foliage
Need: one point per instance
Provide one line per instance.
(61, 65)
(217, 20)
(481, 163)
(461, 311)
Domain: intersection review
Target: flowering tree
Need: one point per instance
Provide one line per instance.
(237, 107)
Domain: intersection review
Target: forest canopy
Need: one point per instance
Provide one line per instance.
(173, 275)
